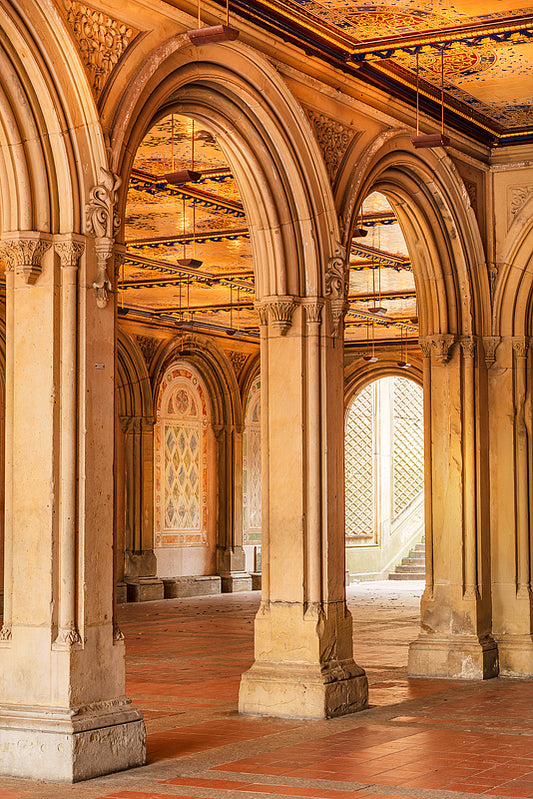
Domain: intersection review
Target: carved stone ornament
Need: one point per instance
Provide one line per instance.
(313, 312)
(468, 346)
(521, 346)
(336, 287)
(518, 196)
(148, 346)
(471, 190)
(5, 633)
(118, 635)
(262, 312)
(102, 40)
(23, 252)
(238, 359)
(279, 311)
(426, 345)
(490, 345)
(443, 343)
(67, 638)
(102, 221)
(69, 252)
(333, 139)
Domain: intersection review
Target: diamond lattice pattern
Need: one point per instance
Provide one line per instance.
(359, 467)
(182, 477)
(408, 461)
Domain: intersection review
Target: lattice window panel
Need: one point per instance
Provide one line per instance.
(359, 466)
(182, 477)
(251, 493)
(408, 447)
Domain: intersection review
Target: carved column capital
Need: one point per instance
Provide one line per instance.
(313, 311)
(69, 250)
(279, 311)
(442, 344)
(336, 286)
(23, 251)
(468, 346)
(426, 345)
(102, 222)
(490, 345)
(521, 346)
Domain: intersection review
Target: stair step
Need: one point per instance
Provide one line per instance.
(412, 561)
(408, 576)
(406, 568)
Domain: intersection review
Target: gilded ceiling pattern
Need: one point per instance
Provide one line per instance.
(168, 222)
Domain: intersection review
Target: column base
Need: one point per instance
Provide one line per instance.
(235, 582)
(70, 746)
(145, 589)
(515, 655)
(454, 657)
(297, 690)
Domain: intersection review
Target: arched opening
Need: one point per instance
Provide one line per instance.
(384, 480)
(251, 479)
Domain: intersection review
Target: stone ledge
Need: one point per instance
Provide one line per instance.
(204, 585)
(236, 582)
(145, 589)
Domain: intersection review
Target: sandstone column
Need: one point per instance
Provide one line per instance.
(63, 713)
(303, 632)
(455, 639)
(510, 382)
(230, 551)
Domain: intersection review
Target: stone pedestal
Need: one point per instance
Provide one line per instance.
(304, 663)
(145, 589)
(192, 586)
(236, 582)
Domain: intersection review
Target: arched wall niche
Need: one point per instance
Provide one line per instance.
(514, 286)
(439, 227)
(267, 140)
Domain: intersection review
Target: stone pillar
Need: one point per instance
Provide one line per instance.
(140, 562)
(510, 383)
(455, 639)
(63, 713)
(303, 632)
(230, 551)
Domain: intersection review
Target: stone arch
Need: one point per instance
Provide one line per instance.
(439, 227)
(267, 140)
(54, 147)
(359, 374)
(514, 286)
(133, 381)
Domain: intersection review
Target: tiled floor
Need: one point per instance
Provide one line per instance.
(418, 739)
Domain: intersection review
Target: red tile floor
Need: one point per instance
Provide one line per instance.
(418, 739)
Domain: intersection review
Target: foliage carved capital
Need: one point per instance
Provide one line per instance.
(23, 252)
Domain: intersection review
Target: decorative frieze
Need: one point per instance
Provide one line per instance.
(102, 222)
(333, 139)
(336, 287)
(23, 252)
(102, 40)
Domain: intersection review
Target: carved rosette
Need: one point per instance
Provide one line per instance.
(336, 287)
(23, 252)
(521, 346)
(442, 344)
(102, 222)
(490, 345)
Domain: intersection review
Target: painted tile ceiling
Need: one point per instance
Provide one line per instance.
(487, 58)
(205, 220)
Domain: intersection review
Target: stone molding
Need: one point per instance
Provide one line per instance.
(333, 138)
(23, 252)
(102, 40)
(102, 222)
(336, 287)
(490, 345)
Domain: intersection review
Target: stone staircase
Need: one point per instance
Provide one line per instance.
(413, 567)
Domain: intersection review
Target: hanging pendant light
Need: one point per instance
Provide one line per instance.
(213, 34)
(371, 358)
(403, 362)
(378, 309)
(189, 263)
(230, 331)
(422, 140)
